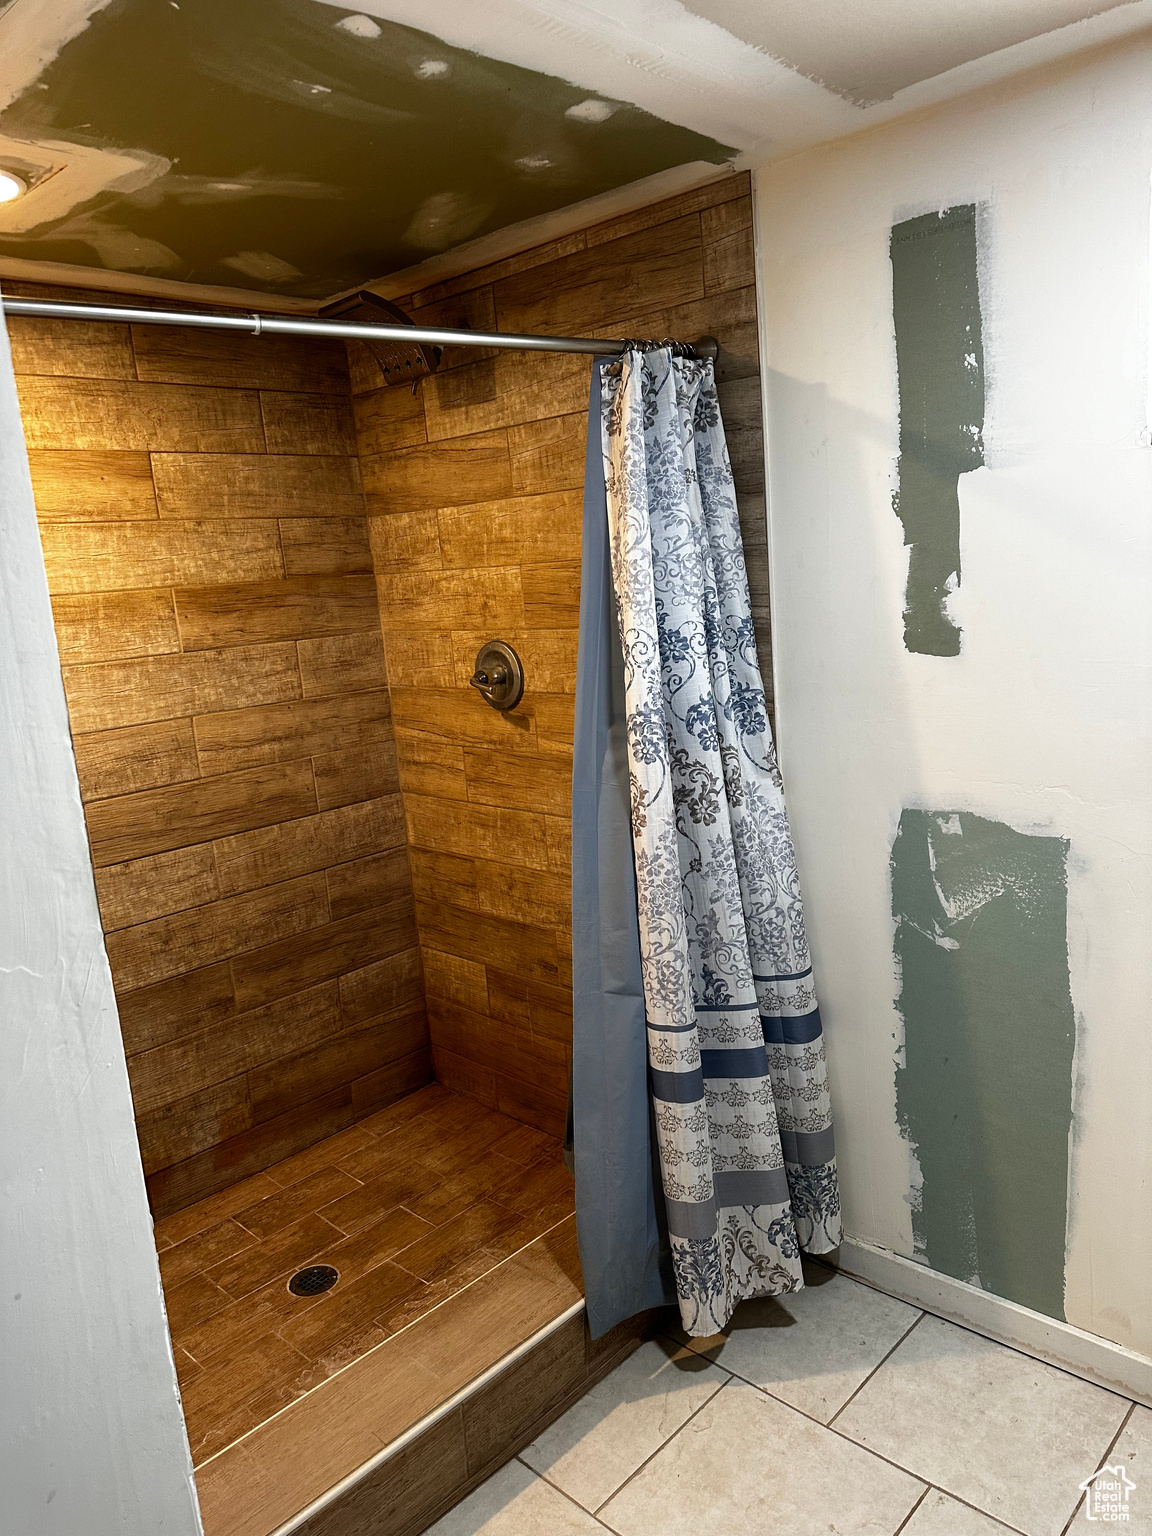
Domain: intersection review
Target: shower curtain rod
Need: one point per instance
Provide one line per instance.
(280, 325)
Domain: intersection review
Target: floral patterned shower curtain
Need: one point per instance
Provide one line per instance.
(735, 1050)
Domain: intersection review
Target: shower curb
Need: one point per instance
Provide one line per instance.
(334, 1494)
(368, 1484)
(1071, 1349)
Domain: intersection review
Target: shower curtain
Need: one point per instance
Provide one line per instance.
(697, 1044)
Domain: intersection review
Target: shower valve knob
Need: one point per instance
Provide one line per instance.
(498, 677)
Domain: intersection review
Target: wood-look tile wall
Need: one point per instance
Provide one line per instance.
(204, 535)
(474, 499)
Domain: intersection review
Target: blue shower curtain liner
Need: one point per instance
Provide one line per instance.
(621, 1233)
(697, 1035)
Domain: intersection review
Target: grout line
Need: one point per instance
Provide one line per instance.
(1111, 1447)
(352, 1364)
(267, 1172)
(897, 1466)
(136, 379)
(747, 1380)
(547, 1481)
(711, 1398)
(975, 1508)
(956, 1499)
(341, 1236)
(875, 1368)
(912, 1511)
(1038, 1358)
(263, 422)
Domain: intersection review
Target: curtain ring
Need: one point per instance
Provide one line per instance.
(255, 325)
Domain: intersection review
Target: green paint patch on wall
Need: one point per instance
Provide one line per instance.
(940, 360)
(984, 1093)
(313, 149)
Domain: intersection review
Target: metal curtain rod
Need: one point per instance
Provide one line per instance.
(278, 325)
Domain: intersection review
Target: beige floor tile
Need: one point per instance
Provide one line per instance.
(623, 1420)
(515, 1502)
(1132, 1452)
(814, 1347)
(940, 1515)
(748, 1465)
(998, 1429)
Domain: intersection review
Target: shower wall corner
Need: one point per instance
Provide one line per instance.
(202, 522)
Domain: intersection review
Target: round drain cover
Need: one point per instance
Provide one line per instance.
(313, 1280)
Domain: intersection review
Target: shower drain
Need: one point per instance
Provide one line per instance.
(313, 1280)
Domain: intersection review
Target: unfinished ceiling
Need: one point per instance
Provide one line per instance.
(901, 41)
(298, 148)
(282, 145)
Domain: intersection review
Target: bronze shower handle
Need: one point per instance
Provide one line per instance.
(486, 684)
(499, 676)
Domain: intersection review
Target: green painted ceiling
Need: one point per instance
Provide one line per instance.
(309, 149)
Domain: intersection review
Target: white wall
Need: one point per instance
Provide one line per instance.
(92, 1440)
(1045, 720)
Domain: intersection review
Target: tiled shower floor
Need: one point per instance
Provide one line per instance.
(835, 1412)
(410, 1206)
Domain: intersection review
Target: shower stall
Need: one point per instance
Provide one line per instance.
(334, 883)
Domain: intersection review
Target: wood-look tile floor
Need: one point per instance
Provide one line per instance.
(410, 1206)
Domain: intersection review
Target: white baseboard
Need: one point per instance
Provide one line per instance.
(1072, 1349)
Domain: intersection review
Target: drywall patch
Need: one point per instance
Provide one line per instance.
(262, 267)
(276, 98)
(31, 37)
(655, 54)
(940, 362)
(984, 1090)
